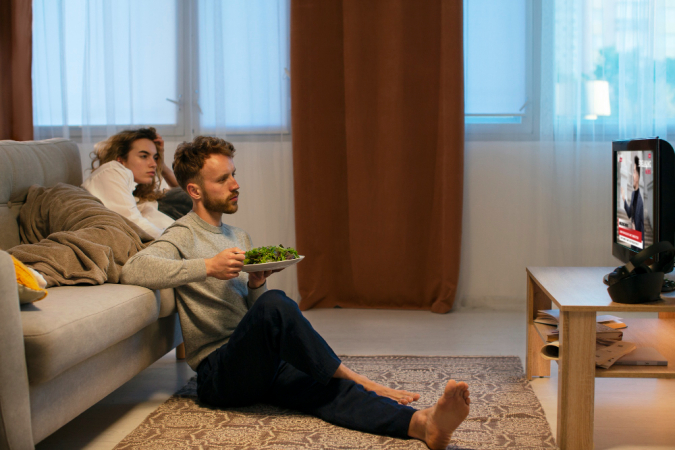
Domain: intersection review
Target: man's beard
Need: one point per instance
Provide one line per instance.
(225, 206)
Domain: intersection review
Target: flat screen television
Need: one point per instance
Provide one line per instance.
(644, 195)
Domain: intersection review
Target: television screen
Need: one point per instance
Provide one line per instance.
(634, 197)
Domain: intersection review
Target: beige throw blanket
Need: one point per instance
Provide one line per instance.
(70, 237)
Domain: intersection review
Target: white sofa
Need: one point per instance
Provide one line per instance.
(63, 354)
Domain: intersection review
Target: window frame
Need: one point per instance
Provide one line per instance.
(528, 129)
(187, 89)
(174, 131)
(191, 85)
(586, 130)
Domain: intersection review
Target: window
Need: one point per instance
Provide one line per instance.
(632, 51)
(181, 66)
(670, 64)
(243, 65)
(498, 69)
(614, 68)
(95, 64)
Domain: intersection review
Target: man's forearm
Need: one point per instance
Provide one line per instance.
(155, 272)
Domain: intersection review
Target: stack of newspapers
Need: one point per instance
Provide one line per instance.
(607, 328)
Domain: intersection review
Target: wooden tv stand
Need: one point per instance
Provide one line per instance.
(579, 293)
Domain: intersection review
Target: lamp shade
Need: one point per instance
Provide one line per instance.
(596, 99)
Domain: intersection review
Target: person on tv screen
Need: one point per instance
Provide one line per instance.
(635, 210)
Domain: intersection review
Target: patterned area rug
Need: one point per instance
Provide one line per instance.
(505, 413)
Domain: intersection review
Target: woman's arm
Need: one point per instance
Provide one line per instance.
(167, 173)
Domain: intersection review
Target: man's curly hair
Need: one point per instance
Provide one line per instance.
(189, 158)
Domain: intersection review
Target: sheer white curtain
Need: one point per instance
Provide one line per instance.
(101, 66)
(603, 78)
(188, 68)
(243, 65)
(606, 71)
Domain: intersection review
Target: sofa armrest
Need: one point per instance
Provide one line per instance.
(15, 419)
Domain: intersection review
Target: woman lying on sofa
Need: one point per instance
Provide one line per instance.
(127, 170)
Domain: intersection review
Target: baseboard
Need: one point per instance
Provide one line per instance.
(491, 303)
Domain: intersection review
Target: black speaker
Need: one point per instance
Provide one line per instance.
(636, 282)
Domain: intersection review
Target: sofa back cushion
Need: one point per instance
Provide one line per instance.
(23, 164)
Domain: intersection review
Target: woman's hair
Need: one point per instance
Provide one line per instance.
(190, 157)
(118, 146)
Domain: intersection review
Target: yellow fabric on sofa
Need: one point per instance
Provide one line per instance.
(29, 289)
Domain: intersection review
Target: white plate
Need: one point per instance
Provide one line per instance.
(271, 265)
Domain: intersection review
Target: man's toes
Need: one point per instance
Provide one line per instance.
(451, 386)
(459, 391)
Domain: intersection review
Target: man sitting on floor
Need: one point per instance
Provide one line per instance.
(250, 345)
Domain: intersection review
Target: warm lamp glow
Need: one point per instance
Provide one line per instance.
(596, 99)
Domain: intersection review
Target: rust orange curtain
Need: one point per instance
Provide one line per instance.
(16, 96)
(378, 147)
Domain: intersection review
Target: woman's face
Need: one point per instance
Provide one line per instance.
(142, 161)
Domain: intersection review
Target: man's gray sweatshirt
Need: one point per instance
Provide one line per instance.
(209, 309)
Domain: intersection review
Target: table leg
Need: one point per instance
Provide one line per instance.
(535, 365)
(576, 380)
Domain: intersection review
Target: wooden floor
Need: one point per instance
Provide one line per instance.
(629, 413)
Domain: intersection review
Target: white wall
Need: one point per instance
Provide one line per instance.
(531, 204)
(525, 204)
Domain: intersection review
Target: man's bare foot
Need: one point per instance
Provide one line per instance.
(435, 425)
(402, 397)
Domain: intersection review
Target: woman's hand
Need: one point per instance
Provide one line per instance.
(159, 142)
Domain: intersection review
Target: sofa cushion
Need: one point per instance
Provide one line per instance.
(75, 322)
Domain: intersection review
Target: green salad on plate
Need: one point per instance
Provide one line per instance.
(272, 253)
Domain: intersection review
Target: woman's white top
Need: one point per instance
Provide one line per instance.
(114, 184)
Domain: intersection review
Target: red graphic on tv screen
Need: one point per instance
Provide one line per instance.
(649, 155)
(632, 235)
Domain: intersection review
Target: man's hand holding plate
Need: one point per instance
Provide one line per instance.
(257, 279)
